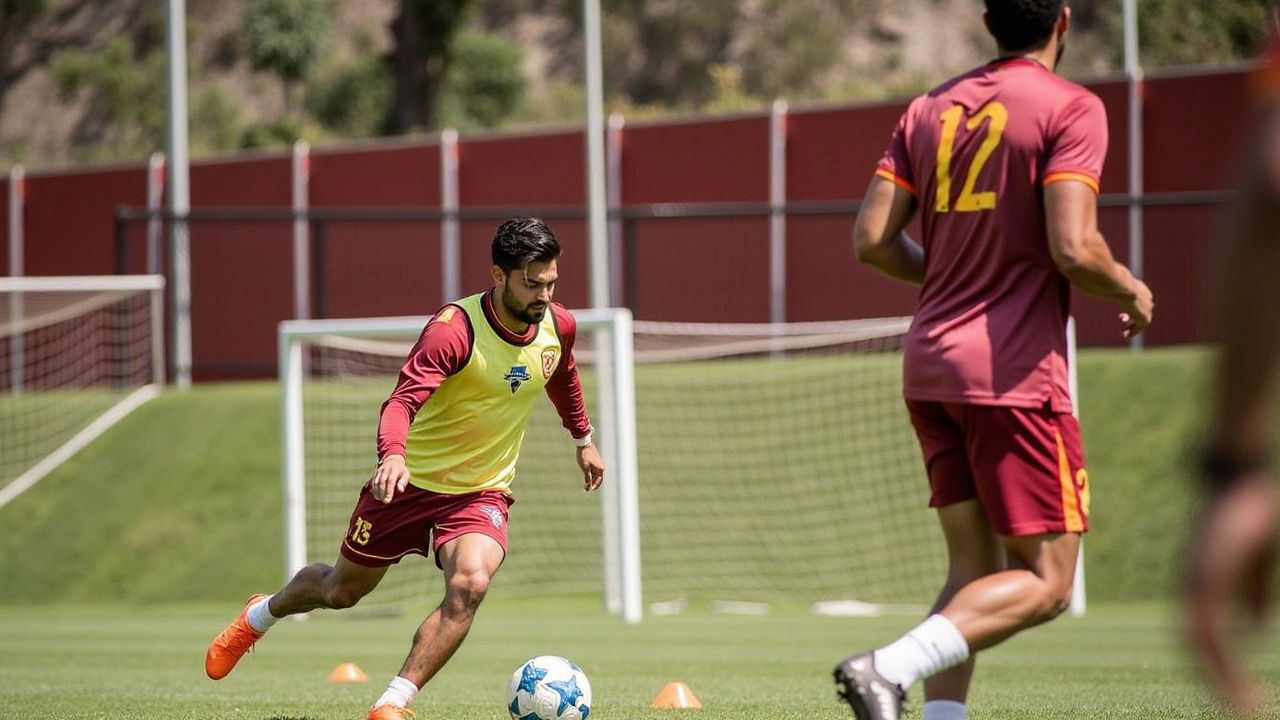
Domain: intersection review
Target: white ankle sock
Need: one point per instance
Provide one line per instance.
(945, 710)
(400, 692)
(259, 616)
(927, 649)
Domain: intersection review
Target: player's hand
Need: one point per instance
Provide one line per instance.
(1228, 571)
(1137, 310)
(592, 467)
(390, 478)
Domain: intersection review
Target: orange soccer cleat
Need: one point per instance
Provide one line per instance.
(387, 711)
(231, 644)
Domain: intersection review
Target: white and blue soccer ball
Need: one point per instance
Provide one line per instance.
(549, 687)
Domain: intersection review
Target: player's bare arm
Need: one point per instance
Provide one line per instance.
(1082, 254)
(879, 234)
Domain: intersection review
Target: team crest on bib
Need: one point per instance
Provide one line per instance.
(516, 375)
(550, 358)
(495, 515)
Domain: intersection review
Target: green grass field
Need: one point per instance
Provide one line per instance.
(118, 568)
(182, 502)
(144, 663)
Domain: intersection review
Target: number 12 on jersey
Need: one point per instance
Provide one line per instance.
(968, 201)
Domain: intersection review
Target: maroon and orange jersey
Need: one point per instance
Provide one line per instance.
(977, 152)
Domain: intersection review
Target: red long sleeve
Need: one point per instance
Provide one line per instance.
(564, 386)
(439, 352)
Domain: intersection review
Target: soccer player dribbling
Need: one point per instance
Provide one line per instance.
(1003, 165)
(448, 440)
(1231, 557)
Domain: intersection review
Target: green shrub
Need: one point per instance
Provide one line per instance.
(485, 84)
(353, 100)
(216, 120)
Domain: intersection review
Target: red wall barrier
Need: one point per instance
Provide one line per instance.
(695, 269)
(241, 272)
(69, 219)
(525, 171)
(387, 268)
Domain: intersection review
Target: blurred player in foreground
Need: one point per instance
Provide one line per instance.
(448, 440)
(1233, 549)
(1003, 164)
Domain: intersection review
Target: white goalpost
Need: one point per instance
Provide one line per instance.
(335, 371)
(747, 465)
(77, 354)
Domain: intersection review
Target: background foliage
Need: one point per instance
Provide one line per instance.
(495, 63)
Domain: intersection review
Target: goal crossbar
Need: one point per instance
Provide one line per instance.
(615, 428)
(65, 339)
(735, 514)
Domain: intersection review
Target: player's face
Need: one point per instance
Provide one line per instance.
(527, 293)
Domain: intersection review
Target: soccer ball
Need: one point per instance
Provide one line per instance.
(549, 687)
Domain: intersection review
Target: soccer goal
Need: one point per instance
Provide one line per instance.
(774, 463)
(335, 374)
(77, 354)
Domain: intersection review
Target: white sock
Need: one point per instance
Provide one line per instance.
(927, 649)
(945, 710)
(400, 692)
(259, 616)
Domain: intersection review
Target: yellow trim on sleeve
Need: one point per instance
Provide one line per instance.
(1078, 177)
(887, 175)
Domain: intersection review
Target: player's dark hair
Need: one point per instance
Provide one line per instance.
(523, 240)
(1022, 24)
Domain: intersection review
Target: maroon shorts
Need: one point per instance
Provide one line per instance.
(1025, 465)
(379, 534)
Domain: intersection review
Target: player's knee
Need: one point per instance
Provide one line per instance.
(467, 589)
(1064, 599)
(1053, 601)
(341, 597)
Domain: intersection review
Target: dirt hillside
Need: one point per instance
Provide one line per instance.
(899, 41)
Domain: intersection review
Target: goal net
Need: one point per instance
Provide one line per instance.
(77, 354)
(775, 464)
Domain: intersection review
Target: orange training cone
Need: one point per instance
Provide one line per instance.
(676, 695)
(347, 673)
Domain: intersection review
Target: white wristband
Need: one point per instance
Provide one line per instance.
(585, 440)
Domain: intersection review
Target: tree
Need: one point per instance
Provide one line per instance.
(126, 97)
(286, 37)
(16, 17)
(788, 55)
(1195, 32)
(424, 36)
(353, 99)
(659, 53)
(485, 83)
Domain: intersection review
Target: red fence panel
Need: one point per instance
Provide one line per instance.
(526, 172)
(69, 219)
(674, 266)
(384, 268)
(241, 272)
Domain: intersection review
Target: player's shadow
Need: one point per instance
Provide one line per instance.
(288, 717)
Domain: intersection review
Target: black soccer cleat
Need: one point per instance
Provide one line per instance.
(867, 692)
